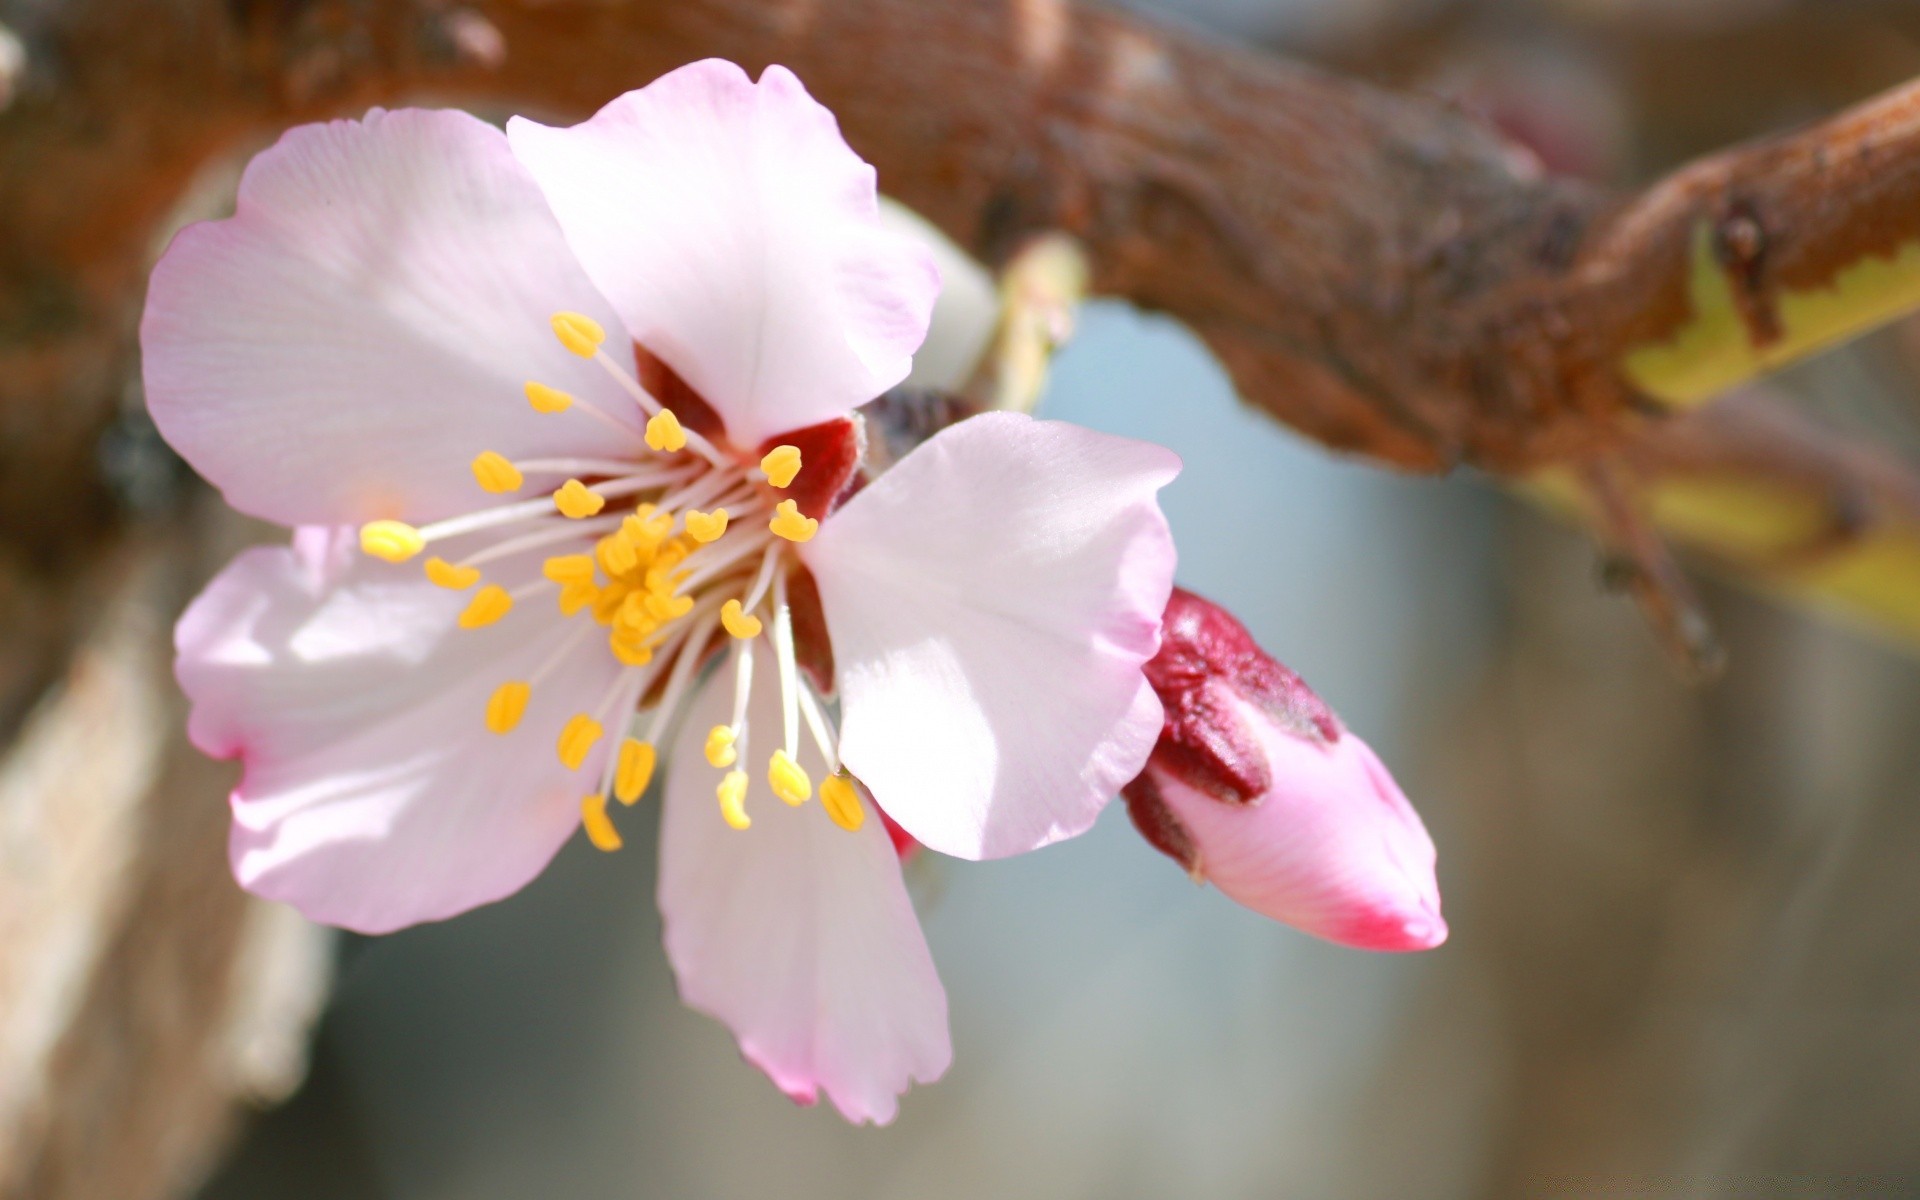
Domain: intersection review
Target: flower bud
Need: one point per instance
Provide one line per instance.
(1256, 787)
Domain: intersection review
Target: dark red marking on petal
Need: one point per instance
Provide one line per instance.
(677, 395)
(830, 455)
(812, 647)
(904, 847)
(1158, 824)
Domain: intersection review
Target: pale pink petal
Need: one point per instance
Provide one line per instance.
(364, 325)
(1333, 847)
(740, 238)
(795, 933)
(373, 795)
(991, 600)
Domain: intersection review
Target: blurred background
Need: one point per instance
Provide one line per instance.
(1686, 920)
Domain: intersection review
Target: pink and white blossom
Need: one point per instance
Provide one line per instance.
(1257, 788)
(565, 420)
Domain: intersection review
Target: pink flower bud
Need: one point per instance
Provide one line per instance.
(1256, 787)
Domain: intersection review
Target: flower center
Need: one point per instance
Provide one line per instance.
(675, 553)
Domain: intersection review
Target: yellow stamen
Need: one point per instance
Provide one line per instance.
(507, 705)
(616, 554)
(599, 826)
(842, 802)
(578, 332)
(667, 607)
(664, 431)
(494, 473)
(488, 605)
(568, 568)
(547, 399)
(581, 732)
(395, 541)
(451, 576)
(646, 529)
(739, 624)
(576, 502)
(720, 751)
(635, 770)
(576, 596)
(781, 464)
(733, 796)
(706, 527)
(788, 780)
(789, 524)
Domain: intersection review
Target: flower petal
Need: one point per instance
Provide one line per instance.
(373, 794)
(795, 933)
(364, 325)
(740, 238)
(991, 600)
(1332, 848)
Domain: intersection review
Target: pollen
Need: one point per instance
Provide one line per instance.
(720, 751)
(488, 605)
(781, 464)
(581, 732)
(789, 524)
(578, 332)
(733, 799)
(568, 568)
(664, 431)
(634, 771)
(451, 576)
(706, 527)
(630, 653)
(616, 554)
(546, 399)
(788, 780)
(667, 606)
(575, 502)
(740, 624)
(842, 802)
(494, 473)
(599, 826)
(576, 596)
(507, 705)
(394, 541)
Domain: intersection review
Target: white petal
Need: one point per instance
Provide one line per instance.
(740, 239)
(364, 325)
(795, 933)
(991, 600)
(374, 796)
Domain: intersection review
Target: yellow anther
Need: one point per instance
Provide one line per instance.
(635, 770)
(494, 473)
(568, 568)
(633, 654)
(706, 527)
(599, 826)
(633, 615)
(613, 597)
(646, 529)
(507, 705)
(578, 332)
(488, 605)
(581, 732)
(547, 399)
(781, 464)
(575, 501)
(450, 575)
(733, 799)
(789, 524)
(720, 751)
(395, 541)
(664, 432)
(576, 596)
(668, 607)
(616, 554)
(842, 802)
(788, 780)
(739, 624)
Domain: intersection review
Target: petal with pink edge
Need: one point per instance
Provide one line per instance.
(795, 933)
(740, 238)
(373, 794)
(343, 346)
(991, 600)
